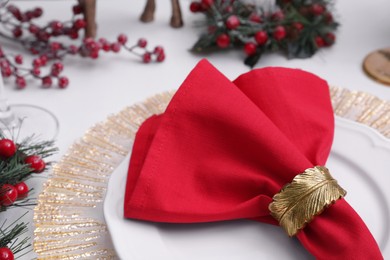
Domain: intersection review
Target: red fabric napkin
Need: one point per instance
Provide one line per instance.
(222, 149)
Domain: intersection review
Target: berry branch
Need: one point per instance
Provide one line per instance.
(44, 41)
(297, 27)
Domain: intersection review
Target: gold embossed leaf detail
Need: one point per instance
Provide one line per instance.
(305, 197)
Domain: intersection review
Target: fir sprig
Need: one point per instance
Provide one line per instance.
(14, 169)
(10, 234)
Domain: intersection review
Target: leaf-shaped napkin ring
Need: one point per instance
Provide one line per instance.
(305, 197)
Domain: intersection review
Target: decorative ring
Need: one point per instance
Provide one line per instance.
(305, 197)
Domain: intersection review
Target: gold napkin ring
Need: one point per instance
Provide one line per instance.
(305, 197)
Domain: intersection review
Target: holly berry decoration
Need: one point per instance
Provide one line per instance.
(49, 45)
(22, 190)
(6, 254)
(36, 163)
(299, 28)
(7, 148)
(8, 195)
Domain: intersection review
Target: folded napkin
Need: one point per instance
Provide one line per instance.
(223, 149)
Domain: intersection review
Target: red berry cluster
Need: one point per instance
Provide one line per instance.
(12, 66)
(91, 48)
(42, 41)
(10, 193)
(6, 254)
(237, 24)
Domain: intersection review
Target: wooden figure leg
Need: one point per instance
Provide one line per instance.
(176, 19)
(89, 10)
(148, 13)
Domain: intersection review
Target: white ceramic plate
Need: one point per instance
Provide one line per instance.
(360, 161)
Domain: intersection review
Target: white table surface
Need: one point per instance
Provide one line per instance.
(101, 87)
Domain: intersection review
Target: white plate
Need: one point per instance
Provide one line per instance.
(360, 161)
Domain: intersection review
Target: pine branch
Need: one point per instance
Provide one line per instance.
(9, 235)
(298, 27)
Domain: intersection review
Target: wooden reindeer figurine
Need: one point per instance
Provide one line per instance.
(89, 12)
(150, 7)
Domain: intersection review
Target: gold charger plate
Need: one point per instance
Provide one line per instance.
(69, 217)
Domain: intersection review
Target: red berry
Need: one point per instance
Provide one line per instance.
(17, 32)
(6, 254)
(146, 58)
(158, 50)
(12, 8)
(37, 62)
(73, 34)
(73, 49)
(56, 25)
(36, 163)
(22, 190)
(77, 9)
(207, 3)
(63, 82)
(122, 39)
(19, 59)
(93, 46)
(38, 12)
(94, 55)
(232, 22)
(7, 148)
(254, 17)
(319, 41)
(195, 7)
(279, 33)
(317, 9)
(15, 11)
(33, 28)
(6, 72)
(223, 40)
(161, 57)
(79, 24)
(229, 9)
(43, 59)
(142, 43)
(115, 47)
(329, 38)
(57, 66)
(8, 195)
(29, 15)
(43, 36)
(55, 73)
(103, 40)
(106, 46)
(250, 48)
(4, 64)
(47, 82)
(55, 46)
(298, 26)
(328, 18)
(20, 82)
(261, 37)
(36, 71)
(277, 16)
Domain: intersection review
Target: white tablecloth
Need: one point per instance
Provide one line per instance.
(101, 87)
